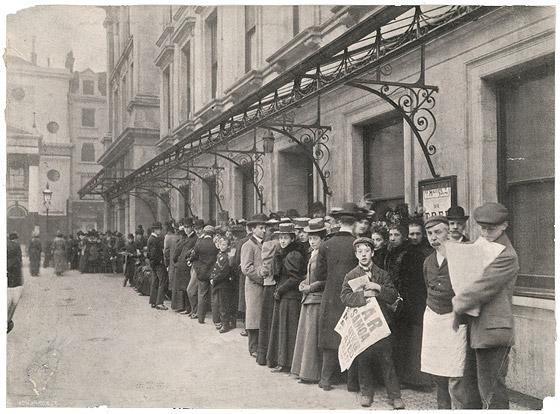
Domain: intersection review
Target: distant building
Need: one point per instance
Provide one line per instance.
(44, 146)
(133, 108)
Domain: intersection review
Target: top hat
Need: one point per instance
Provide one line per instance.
(349, 209)
(156, 225)
(188, 222)
(456, 213)
(315, 225)
(258, 219)
(286, 228)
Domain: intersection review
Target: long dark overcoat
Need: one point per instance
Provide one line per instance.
(182, 270)
(335, 258)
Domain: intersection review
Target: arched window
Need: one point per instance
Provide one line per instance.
(88, 152)
(17, 211)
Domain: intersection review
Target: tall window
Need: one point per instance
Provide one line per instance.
(295, 20)
(250, 37)
(88, 87)
(384, 163)
(124, 100)
(167, 98)
(212, 27)
(16, 177)
(88, 117)
(116, 109)
(526, 174)
(186, 89)
(131, 82)
(88, 152)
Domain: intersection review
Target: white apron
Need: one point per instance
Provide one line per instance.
(443, 350)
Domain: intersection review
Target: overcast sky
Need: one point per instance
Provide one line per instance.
(59, 29)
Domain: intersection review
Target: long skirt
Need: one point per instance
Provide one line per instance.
(307, 357)
(34, 263)
(283, 332)
(59, 261)
(265, 323)
(407, 350)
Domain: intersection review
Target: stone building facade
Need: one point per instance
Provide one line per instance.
(485, 86)
(44, 145)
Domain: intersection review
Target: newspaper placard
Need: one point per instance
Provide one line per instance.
(467, 262)
(360, 328)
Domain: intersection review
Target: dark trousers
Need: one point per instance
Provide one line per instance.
(221, 306)
(204, 292)
(491, 369)
(382, 352)
(158, 285)
(330, 366)
(192, 291)
(253, 339)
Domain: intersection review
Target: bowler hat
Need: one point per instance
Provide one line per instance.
(315, 225)
(156, 225)
(13, 236)
(198, 223)
(364, 240)
(286, 228)
(300, 222)
(292, 213)
(490, 213)
(348, 209)
(258, 219)
(432, 221)
(456, 213)
(59, 234)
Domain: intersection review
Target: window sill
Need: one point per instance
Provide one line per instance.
(534, 302)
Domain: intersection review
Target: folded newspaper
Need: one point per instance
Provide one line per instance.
(467, 262)
(360, 327)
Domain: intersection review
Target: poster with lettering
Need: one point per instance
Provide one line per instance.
(437, 195)
(360, 328)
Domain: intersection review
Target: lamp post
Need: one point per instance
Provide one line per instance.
(47, 196)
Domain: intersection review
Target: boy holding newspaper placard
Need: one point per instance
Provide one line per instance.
(362, 286)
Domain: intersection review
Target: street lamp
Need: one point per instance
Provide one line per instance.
(47, 196)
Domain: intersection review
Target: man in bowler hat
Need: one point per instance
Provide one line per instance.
(457, 223)
(159, 278)
(491, 332)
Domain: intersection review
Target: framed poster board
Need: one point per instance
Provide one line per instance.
(437, 195)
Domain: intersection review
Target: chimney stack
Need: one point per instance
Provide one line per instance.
(33, 54)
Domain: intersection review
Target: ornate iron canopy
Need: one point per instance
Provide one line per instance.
(366, 49)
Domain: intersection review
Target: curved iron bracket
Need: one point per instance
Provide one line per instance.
(246, 159)
(137, 195)
(168, 183)
(219, 197)
(159, 197)
(313, 139)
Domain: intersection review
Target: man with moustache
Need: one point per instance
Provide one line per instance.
(457, 223)
(443, 348)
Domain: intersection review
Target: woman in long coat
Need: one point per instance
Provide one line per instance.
(307, 358)
(34, 250)
(285, 316)
(59, 254)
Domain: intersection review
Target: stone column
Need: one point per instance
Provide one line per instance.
(34, 186)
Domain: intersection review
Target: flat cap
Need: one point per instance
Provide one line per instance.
(490, 213)
(363, 240)
(432, 221)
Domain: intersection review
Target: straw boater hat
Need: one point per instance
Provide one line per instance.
(286, 228)
(258, 219)
(315, 225)
(348, 209)
(300, 222)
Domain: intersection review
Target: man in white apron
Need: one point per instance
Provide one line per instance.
(443, 348)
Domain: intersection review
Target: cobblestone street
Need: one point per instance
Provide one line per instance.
(82, 340)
